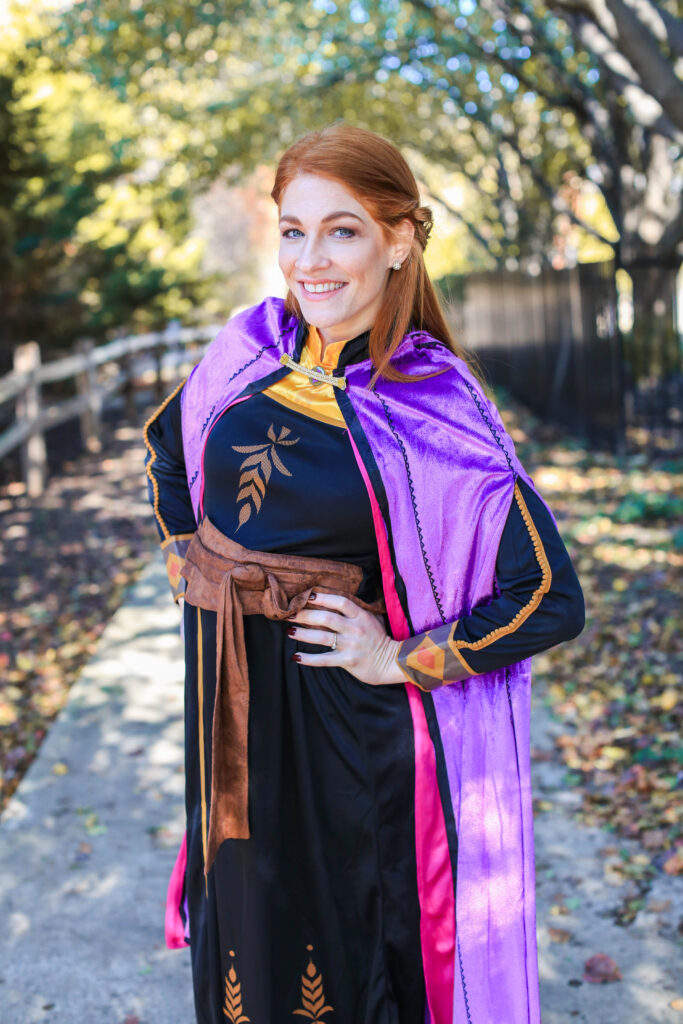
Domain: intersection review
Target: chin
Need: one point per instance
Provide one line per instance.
(322, 318)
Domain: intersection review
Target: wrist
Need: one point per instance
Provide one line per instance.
(396, 671)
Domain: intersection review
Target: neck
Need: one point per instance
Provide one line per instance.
(330, 336)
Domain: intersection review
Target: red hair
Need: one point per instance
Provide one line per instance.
(373, 169)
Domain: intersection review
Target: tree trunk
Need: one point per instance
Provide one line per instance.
(652, 349)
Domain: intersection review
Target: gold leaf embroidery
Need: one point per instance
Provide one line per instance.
(313, 1004)
(277, 462)
(233, 1009)
(257, 468)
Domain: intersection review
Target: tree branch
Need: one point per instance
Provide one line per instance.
(673, 27)
(616, 68)
(576, 96)
(672, 235)
(470, 227)
(655, 71)
(551, 194)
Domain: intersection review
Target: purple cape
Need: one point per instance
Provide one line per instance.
(440, 471)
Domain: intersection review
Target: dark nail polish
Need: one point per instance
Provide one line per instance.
(291, 631)
(313, 596)
(296, 657)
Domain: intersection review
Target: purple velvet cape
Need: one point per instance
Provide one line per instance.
(440, 472)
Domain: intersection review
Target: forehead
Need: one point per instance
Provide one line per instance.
(312, 195)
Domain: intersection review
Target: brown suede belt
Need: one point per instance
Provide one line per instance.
(233, 581)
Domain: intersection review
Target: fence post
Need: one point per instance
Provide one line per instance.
(175, 347)
(159, 382)
(128, 364)
(86, 386)
(29, 408)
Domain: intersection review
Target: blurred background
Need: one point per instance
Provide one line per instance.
(137, 147)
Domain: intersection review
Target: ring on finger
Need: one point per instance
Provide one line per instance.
(333, 646)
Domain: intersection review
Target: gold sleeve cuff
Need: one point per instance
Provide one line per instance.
(429, 661)
(409, 676)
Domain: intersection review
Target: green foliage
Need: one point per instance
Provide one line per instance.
(510, 108)
(91, 240)
(648, 506)
(120, 112)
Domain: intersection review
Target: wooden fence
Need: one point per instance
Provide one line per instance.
(99, 373)
(553, 341)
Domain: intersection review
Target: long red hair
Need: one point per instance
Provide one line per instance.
(372, 169)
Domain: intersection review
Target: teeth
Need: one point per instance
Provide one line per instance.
(331, 287)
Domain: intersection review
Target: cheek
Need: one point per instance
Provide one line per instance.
(377, 262)
(284, 261)
(367, 268)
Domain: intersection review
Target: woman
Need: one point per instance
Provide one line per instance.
(368, 569)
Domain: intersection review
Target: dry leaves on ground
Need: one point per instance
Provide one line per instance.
(66, 561)
(600, 969)
(616, 688)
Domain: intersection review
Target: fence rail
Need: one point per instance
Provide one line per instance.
(99, 372)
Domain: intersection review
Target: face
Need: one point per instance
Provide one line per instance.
(334, 256)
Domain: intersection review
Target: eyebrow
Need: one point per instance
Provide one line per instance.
(331, 216)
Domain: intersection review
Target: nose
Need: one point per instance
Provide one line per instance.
(311, 256)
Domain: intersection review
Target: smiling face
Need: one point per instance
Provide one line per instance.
(334, 256)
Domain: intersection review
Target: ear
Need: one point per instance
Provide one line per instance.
(403, 235)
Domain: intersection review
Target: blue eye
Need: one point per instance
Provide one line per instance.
(298, 233)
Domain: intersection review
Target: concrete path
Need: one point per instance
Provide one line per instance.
(579, 889)
(88, 843)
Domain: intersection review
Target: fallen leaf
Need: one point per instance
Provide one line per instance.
(667, 700)
(559, 934)
(600, 969)
(654, 838)
(676, 1004)
(658, 906)
(674, 865)
(558, 910)
(538, 754)
(60, 768)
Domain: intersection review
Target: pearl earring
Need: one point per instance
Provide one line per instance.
(396, 265)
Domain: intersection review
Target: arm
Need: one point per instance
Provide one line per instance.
(539, 604)
(167, 487)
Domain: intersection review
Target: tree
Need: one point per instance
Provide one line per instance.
(542, 90)
(89, 242)
(521, 102)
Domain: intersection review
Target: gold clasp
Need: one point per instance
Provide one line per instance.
(316, 374)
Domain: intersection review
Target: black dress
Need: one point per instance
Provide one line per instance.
(316, 915)
(319, 908)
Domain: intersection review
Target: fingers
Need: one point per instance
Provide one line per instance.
(321, 619)
(324, 637)
(330, 659)
(335, 602)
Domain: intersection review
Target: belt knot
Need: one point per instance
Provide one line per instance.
(249, 575)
